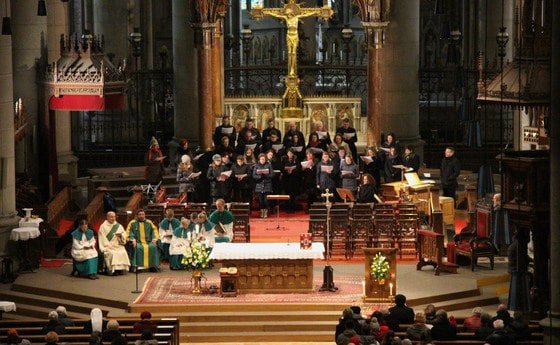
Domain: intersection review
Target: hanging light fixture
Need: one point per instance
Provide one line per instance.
(42, 8)
(6, 21)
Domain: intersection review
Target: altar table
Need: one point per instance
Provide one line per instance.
(270, 267)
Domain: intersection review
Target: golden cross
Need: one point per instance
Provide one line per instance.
(327, 195)
(291, 13)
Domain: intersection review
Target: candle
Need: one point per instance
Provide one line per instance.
(363, 288)
(390, 289)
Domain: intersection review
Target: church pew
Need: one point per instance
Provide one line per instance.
(164, 338)
(95, 210)
(22, 331)
(471, 336)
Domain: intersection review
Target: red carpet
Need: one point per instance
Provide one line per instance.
(176, 290)
(54, 263)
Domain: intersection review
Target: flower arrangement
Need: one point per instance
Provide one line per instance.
(196, 257)
(379, 267)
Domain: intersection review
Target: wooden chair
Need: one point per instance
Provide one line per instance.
(384, 226)
(241, 226)
(406, 226)
(156, 212)
(196, 207)
(318, 222)
(340, 230)
(361, 227)
(474, 242)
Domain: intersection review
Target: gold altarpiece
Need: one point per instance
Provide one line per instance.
(374, 291)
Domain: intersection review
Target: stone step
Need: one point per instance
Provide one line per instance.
(242, 316)
(257, 337)
(70, 297)
(239, 307)
(75, 307)
(260, 326)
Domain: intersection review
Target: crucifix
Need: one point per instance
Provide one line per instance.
(291, 13)
(328, 273)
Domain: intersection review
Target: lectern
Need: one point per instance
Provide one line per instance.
(380, 291)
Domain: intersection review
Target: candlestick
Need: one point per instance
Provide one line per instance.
(390, 289)
(363, 288)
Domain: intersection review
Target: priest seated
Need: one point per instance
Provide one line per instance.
(112, 240)
(223, 217)
(145, 239)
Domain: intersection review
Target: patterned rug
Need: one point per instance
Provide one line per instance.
(176, 290)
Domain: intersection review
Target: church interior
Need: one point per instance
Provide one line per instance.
(411, 137)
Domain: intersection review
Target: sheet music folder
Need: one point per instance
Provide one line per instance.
(414, 181)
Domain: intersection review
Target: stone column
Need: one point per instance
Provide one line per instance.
(551, 325)
(8, 217)
(204, 32)
(29, 44)
(217, 84)
(185, 71)
(373, 101)
(399, 89)
(57, 24)
(110, 18)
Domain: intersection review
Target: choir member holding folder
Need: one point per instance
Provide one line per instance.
(225, 130)
(241, 171)
(316, 146)
(349, 173)
(373, 165)
(217, 175)
(291, 178)
(263, 174)
(326, 174)
(186, 177)
(309, 172)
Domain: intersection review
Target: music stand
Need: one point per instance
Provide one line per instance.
(346, 195)
(278, 198)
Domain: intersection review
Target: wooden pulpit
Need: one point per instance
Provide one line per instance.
(375, 291)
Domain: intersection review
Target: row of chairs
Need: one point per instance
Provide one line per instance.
(355, 226)
(240, 210)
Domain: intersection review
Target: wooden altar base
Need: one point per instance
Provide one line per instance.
(273, 276)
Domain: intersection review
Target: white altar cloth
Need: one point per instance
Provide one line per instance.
(24, 234)
(30, 223)
(6, 306)
(266, 251)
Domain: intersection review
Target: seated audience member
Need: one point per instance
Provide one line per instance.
(518, 327)
(400, 313)
(442, 329)
(367, 338)
(349, 332)
(377, 330)
(53, 325)
(486, 328)
(502, 314)
(354, 341)
(388, 338)
(119, 341)
(358, 315)
(500, 336)
(147, 338)
(51, 338)
(347, 316)
(96, 322)
(473, 322)
(84, 252)
(415, 331)
(112, 241)
(111, 332)
(63, 316)
(95, 338)
(12, 338)
(430, 313)
(145, 323)
(406, 341)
